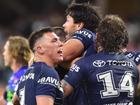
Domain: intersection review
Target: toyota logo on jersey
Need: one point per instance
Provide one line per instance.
(99, 63)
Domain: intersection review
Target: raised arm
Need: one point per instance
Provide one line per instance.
(72, 48)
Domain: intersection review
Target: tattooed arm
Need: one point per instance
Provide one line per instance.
(67, 88)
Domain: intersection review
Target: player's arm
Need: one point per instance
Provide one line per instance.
(74, 77)
(15, 100)
(44, 100)
(67, 88)
(72, 49)
(49, 91)
(75, 46)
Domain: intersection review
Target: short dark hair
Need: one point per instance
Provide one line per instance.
(37, 35)
(84, 13)
(60, 32)
(112, 32)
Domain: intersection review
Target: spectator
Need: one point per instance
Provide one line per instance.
(16, 54)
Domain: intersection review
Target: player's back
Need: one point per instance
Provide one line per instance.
(111, 79)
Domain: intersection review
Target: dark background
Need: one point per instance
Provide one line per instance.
(21, 17)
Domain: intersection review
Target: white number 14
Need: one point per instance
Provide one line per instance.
(110, 90)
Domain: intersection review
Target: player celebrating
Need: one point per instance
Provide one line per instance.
(81, 23)
(111, 78)
(40, 85)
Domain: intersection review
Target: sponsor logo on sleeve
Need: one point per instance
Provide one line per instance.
(75, 68)
(85, 33)
(137, 58)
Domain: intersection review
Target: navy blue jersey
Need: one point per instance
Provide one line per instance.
(135, 56)
(40, 79)
(110, 78)
(88, 39)
(78, 96)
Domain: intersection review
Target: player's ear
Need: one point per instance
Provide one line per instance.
(80, 25)
(39, 49)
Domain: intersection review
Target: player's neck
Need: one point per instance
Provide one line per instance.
(48, 61)
(15, 66)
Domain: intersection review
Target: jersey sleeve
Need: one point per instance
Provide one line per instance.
(47, 84)
(137, 58)
(75, 74)
(85, 36)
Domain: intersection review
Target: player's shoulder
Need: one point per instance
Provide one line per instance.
(137, 53)
(21, 71)
(106, 56)
(132, 53)
(42, 68)
(86, 62)
(85, 32)
(86, 58)
(40, 65)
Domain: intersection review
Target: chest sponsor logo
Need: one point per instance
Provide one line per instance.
(99, 63)
(49, 80)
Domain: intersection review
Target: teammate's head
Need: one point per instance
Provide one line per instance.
(81, 16)
(60, 32)
(112, 35)
(16, 49)
(46, 46)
